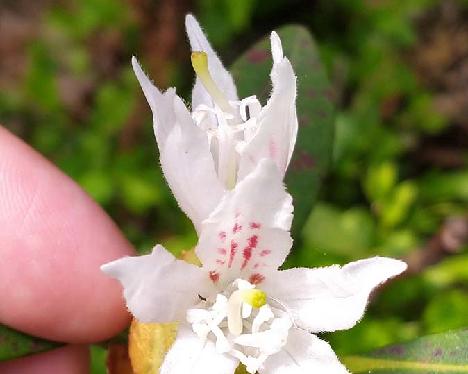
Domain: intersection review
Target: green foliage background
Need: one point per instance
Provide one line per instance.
(79, 104)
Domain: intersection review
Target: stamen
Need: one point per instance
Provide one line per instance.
(264, 315)
(246, 310)
(222, 344)
(253, 297)
(256, 298)
(236, 329)
(200, 65)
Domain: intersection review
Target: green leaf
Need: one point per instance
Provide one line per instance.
(14, 344)
(314, 110)
(440, 187)
(347, 233)
(447, 311)
(98, 359)
(441, 353)
(448, 272)
(380, 180)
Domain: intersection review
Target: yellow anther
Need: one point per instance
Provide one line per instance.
(200, 65)
(254, 297)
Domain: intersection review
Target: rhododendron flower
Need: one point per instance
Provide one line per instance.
(225, 163)
(238, 307)
(208, 151)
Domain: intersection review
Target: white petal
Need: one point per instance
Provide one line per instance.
(331, 298)
(221, 76)
(161, 104)
(277, 122)
(189, 168)
(247, 236)
(184, 152)
(304, 353)
(276, 48)
(157, 287)
(190, 354)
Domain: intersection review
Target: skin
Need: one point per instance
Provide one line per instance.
(53, 239)
(72, 359)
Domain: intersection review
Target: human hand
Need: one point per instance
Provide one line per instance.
(53, 239)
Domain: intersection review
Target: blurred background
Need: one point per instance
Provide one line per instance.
(398, 181)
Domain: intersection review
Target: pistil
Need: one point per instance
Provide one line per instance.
(200, 65)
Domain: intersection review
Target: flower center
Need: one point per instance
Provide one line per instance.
(229, 124)
(241, 323)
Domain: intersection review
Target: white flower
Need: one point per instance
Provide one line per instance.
(208, 151)
(238, 307)
(225, 163)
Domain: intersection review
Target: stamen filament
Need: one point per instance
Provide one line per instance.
(253, 297)
(237, 330)
(234, 316)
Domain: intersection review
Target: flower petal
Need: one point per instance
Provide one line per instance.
(190, 354)
(189, 168)
(221, 76)
(277, 122)
(247, 236)
(330, 298)
(157, 287)
(162, 104)
(184, 152)
(304, 353)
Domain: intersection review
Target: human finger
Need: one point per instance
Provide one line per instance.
(53, 239)
(71, 359)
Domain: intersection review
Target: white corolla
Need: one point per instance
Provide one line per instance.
(225, 164)
(238, 307)
(207, 151)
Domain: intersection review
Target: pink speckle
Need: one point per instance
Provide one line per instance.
(222, 235)
(247, 253)
(234, 246)
(256, 278)
(253, 241)
(256, 266)
(222, 251)
(236, 228)
(265, 252)
(214, 276)
(220, 262)
(255, 225)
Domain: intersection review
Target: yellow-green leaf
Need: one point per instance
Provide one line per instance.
(441, 353)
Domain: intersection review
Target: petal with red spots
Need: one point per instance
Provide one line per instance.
(247, 236)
